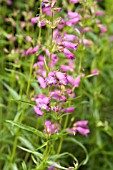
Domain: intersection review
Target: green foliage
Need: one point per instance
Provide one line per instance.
(23, 145)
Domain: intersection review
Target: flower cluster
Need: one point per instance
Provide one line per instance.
(59, 81)
(50, 128)
(81, 127)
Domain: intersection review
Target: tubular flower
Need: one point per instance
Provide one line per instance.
(81, 127)
(70, 45)
(43, 103)
(50, 128)
(68, 54)
(74, 1)
(41, 81)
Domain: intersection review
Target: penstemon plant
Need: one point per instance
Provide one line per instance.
(57, 70)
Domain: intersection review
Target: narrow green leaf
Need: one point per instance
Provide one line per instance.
(26, 143)
(32, 152)
(12, 91)
(28, 128)
(82, 146)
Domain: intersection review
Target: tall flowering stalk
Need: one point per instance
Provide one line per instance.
(58, 71)
(56, 104)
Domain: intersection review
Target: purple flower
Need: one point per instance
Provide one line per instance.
(76, 81)
(83, 131)
(70, 45)
(86, 29)
(35, 49)
(73, 14)
(70, 37)
(43, 103)
(73, 21)
(34, 20)
(51, 168)
(28, 38)
(70, 80)
(54, 60)
(57, 9)
(41, 81)
(102, 28)
(9, 2)
(62, 78)
(65, 68)
(87, 42)
(39, 64)
(38, 111)
(50, 128)
(81, 127)
(47, 10)
(68, 54)
(69, 109)
(41, 58)
(41, 72)
(50, 80)
(41, 24)
(98, 13)
(56, 34)
(56, 94)
(54, 108)
(81, 123)
(95, 72)
(29, 51)
(74, 1)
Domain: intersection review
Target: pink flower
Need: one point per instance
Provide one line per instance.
(50, 128)
(83, 131)
(47, 11)
(62, 78)
(65, 68)
(95, 72)
(87, 42)
(68, 54)
(9, 2)
(86, 29)
(56, 95)
(57, 9)
(38, 111)
(69, 110)
(74, 1)
(98, 13)
(41, 24)
(28, 38)
(73, 21)
(50, 80)
(102, 28)
(81, 127)
(34, 20)
(43, 103)
(81, 123)
(41, 81)
(70, 45)
(29, 51)
(76, 81)
(70, 37)
(72, 14)
(70, 80)
(35, 49)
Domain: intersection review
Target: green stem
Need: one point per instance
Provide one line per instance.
(46, 153)
(21, 117)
